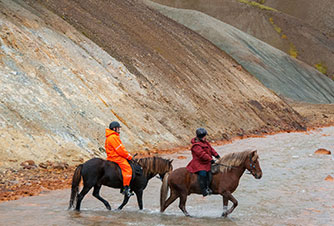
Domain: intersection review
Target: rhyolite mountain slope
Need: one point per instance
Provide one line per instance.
(61, 85)
(319, 14)
(291, 33)
(278, 71)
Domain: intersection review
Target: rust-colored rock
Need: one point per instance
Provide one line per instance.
(15, 184)
(322, 151)
(329, 178)
(181, 157)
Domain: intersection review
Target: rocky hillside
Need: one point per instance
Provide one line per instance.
(291, 34)
(319, 14)
(64, 78)
(278, 71)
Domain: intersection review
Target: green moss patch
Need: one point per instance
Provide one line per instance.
(258, 5)
(321, 67)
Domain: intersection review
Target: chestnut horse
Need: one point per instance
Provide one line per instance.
(231, 167)
(97, 172)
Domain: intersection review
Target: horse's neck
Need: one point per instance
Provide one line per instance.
(238, 171)
(149, 175)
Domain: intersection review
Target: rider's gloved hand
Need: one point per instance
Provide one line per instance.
(217, 156)
(212, 161)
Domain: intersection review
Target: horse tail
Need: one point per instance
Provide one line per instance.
(75, 185)
(163, 192)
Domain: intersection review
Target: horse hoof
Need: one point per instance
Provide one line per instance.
(224, 215)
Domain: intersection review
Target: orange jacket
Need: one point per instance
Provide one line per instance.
(114, 147)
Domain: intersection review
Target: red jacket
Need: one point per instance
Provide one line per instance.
(202, 153)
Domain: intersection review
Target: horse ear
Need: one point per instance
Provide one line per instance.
(171, 160)
(255, 156)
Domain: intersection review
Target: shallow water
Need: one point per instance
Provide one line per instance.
(292, 191)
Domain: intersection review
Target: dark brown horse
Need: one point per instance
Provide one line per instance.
(232, 166)
(97, 172)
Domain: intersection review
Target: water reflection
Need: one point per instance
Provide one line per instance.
(292, 191)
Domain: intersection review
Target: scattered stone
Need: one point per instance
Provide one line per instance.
(43, 165)
(225, 136)
(322, 151)
(29, 167)
(238, 67)
(28, 163)
(60, 165)
(81, 160)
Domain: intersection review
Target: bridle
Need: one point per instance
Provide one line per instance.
(251, 164)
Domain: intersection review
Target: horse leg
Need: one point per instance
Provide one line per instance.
(81, 195)
(125, 201)
(96, 194)
(229, 196)
(139, 195)
(182, 205)
(173, 196)
(225, 203)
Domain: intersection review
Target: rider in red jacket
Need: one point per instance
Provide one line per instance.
(202, 153)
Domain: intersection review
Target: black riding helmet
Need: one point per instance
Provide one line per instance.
(201, 132)
(114, 125)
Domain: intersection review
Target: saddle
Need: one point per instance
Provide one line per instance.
(215, 168)
(137, 170)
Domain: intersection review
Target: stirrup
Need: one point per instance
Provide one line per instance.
(209, 191)
(127, 192)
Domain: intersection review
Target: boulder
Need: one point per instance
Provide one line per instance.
(29, 164)
(322, 151)
(329, 178)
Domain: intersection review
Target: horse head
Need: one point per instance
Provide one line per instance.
(252, 164)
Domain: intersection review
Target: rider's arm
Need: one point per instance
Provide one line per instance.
(200, 153)
(213, 152)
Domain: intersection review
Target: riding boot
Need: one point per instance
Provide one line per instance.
(203, 185)
(127, 191)
(208, 183)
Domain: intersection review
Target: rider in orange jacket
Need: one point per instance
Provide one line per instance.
(117, 153)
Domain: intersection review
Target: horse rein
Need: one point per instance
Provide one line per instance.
(251, 164)
(220, 164)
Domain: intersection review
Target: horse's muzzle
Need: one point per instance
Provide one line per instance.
(258, 175)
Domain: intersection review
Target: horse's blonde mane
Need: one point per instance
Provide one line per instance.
(155, 165)
(235, 159)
